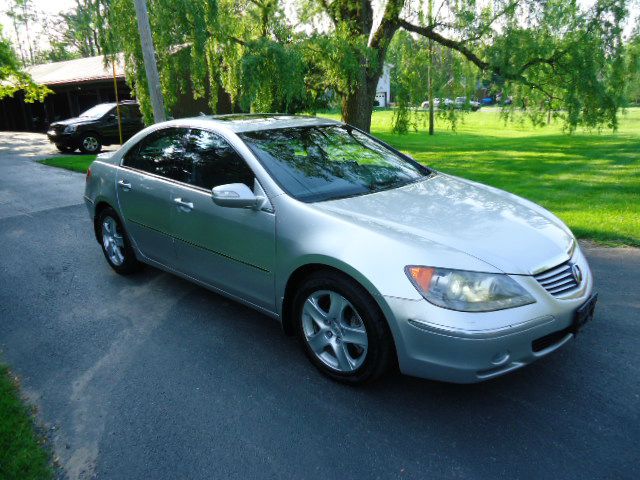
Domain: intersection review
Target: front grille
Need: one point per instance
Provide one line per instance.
(558, 280)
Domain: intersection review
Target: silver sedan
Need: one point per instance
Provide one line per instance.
(370, 258)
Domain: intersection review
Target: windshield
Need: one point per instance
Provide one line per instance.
(328, 162)
(97, 111)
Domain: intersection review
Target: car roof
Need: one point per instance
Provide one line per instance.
(251, 122)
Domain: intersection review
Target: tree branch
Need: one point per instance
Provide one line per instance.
(388, 25)
(429, 32)
(327, 8)
(460, 47)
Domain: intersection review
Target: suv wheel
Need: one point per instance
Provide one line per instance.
(90, 143)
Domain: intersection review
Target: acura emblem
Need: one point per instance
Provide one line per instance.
(577, 273)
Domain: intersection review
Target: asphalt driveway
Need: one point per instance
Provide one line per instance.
(151, 377)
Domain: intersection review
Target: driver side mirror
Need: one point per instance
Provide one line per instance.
(235, 195)
(112, 117)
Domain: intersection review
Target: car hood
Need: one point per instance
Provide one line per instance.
(508, 232)
(74, 121)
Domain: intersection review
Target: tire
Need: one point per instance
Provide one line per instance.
(119, 254)
(336, 348)
(90, 143)
(64, 149)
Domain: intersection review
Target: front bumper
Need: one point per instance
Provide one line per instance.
(62, 139)
(463, 347)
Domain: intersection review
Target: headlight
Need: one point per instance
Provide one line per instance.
(467, 291)
(70, 128)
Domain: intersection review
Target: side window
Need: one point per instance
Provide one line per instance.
(210, 161)
(161, 153)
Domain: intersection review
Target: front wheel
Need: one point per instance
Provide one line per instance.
(90, 143)
(115, 243)
(343, 332)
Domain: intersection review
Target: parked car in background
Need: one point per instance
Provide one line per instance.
(96, 127)
(436, 103)
(463, 103)
(369, 257)
(439, 103)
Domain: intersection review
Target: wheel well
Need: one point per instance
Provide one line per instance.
(294, 282)
(99, 208)
(296, 278)
(91, 132)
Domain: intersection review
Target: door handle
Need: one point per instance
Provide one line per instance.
(124, 185)
(182, 204)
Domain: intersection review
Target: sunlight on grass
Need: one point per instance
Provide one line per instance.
(76, 163)
(590, 180)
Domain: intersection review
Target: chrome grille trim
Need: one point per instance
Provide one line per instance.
(558, 280)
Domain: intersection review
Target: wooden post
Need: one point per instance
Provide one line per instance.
(70, 103)
(149, 57)
(115, 89)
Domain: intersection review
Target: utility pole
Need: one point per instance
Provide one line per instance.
(430, 74)
(149, 56)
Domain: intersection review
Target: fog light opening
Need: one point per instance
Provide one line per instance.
(501, 358)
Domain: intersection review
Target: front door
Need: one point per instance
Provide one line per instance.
(145, 184)
(229, 248)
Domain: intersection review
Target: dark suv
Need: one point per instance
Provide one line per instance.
(96, 127)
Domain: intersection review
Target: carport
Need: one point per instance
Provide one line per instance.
(76, 84)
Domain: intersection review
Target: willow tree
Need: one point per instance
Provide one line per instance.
(423, 72)
(246, 47)
(549, 54)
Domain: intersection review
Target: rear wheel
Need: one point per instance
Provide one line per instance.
(115, 243)
(90, 143)
(343, 332)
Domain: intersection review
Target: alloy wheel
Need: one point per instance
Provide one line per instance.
(334, 331)
(113, 241)
(90, 144)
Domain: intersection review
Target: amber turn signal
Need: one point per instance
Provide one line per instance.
(422, 276)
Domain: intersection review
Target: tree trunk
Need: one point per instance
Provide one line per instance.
(357, 106)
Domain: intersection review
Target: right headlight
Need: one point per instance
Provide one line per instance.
(70, 128)
(467, 291)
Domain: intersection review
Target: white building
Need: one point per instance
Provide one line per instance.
(383, 90)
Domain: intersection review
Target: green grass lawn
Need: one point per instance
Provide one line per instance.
(22, 457)
(590, 180)
(77, 163)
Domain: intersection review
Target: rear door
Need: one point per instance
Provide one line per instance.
(230, 248)
(108, 127)
(145, 185)
(131, 121)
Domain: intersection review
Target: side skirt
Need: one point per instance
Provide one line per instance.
(217, 290)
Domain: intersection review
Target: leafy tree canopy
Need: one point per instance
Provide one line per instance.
(247, 47)
(13, 78)
(549, 55)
